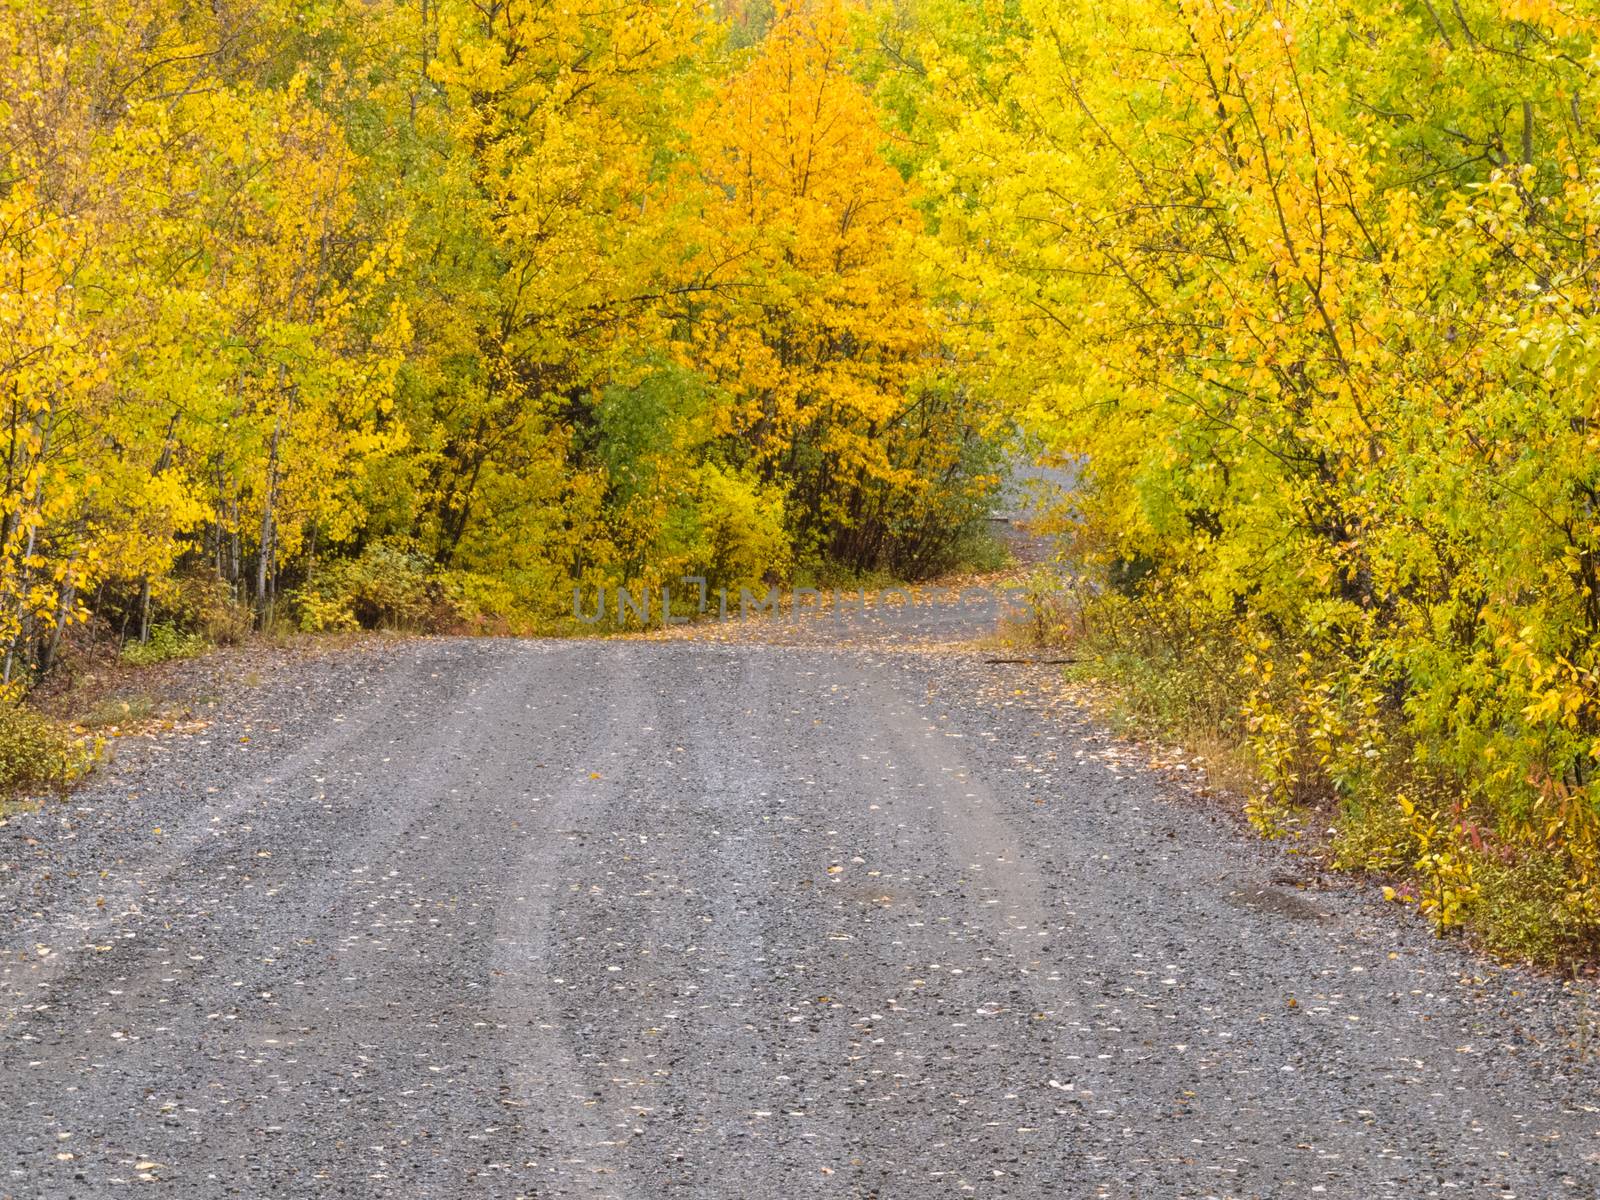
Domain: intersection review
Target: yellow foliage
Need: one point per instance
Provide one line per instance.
(553, 293)
(1309, 291)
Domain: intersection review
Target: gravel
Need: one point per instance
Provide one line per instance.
(717, 918)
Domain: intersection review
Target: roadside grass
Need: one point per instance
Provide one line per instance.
(114, 713)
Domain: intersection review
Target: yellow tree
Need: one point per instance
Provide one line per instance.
(817, 334)
(1310, 290)
(213, 362)
(556, 115)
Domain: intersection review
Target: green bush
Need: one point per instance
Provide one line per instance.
(164, 644)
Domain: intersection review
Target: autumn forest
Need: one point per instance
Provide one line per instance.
(512, 294)
(424, 312)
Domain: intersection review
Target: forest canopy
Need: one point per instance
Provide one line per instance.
(304, 302)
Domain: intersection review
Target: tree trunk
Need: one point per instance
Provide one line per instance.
(264, 559)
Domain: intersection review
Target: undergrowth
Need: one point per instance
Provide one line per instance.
(1328, 757)
(164, 644)
(38, 753)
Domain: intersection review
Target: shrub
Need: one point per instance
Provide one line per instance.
(385, 587)
(1318, 732)
(37, 752)
(164, 644)
(472, 603)
(206, 605)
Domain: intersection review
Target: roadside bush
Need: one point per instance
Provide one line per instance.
(164, 644)
(479, 604)
(1174, 671)
(206, 605)
(385, 587)
(1315, 736)
(741, 528)
(37, 752)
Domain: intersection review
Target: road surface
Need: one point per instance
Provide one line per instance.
(662, 918)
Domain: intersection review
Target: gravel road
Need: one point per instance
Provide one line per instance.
(657, 918)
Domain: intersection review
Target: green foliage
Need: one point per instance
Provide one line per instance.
(1522, 912)
(738, 533)
(974, 546)
(164, 644)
